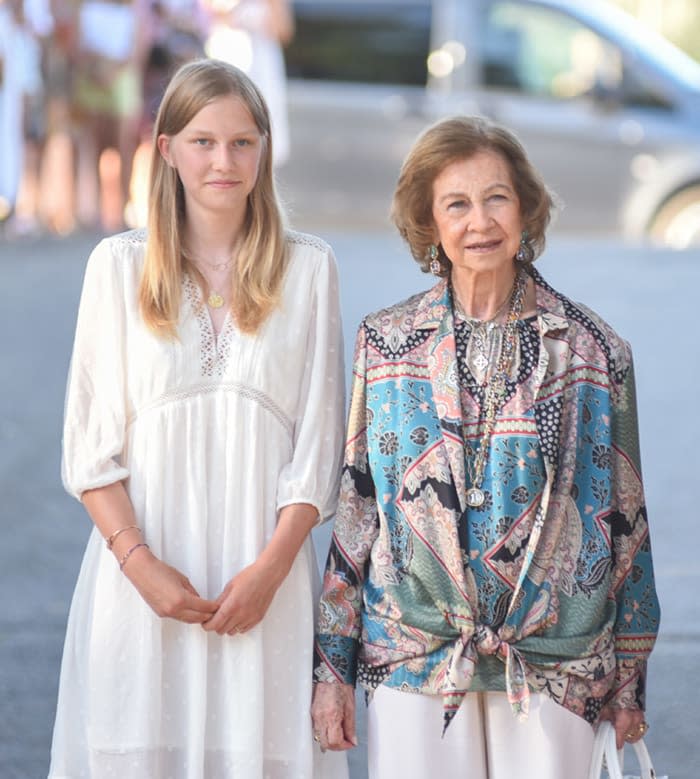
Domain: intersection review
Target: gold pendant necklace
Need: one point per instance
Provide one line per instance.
(215, 300)
(495, 392)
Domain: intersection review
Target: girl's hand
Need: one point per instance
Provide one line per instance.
(244, 601)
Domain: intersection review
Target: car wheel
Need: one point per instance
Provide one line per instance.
(677, 222)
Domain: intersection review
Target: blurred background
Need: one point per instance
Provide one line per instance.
(606, 98)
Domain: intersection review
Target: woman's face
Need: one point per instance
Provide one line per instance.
(476, 213)
(217, 156)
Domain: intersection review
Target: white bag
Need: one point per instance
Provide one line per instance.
(605, 754)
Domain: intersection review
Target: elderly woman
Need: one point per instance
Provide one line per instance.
(489, 582)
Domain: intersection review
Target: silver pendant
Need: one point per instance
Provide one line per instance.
(475, 497)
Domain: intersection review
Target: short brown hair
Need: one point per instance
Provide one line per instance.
(460, 138)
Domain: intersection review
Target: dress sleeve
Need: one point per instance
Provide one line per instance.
(356, 528)
(313, 473)
(95, 408)
(637, 621)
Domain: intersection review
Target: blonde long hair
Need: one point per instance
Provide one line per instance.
(262, 258)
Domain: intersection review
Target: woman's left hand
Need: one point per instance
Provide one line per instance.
(244, 601)
(629, 724)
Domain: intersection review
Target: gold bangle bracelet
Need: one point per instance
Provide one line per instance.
(110, 541)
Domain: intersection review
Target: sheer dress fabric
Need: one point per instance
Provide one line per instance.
(212, 437)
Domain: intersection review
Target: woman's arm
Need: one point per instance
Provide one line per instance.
(340, 610)
(633, 586)
(165, 590)
(281, 21)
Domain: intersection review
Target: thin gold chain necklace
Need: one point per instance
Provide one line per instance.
(214, 299)
(495, 392)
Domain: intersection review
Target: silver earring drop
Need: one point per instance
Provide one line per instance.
(525, 251)
(435, 264)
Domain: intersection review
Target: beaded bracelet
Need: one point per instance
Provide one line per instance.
(128, 554)
(110, 541)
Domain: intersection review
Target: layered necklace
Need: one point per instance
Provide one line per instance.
(495, 389)
(214, 299)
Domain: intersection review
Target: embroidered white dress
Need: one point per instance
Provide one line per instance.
(212, 438)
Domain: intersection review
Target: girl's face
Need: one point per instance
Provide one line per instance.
(217, 157)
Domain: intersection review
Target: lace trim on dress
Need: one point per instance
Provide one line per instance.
(132, 237)
(307, 240)
(236, 387)
(214, 352)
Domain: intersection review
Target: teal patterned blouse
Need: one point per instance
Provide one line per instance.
(548, 586)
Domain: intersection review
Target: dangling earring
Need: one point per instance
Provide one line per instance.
(435, 264)
(525, 251)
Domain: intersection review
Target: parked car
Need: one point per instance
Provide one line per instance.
(608, 110)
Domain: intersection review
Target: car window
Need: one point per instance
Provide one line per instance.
(542, 51)
(373, 42)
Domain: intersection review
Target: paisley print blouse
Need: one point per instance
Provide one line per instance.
(551, 579)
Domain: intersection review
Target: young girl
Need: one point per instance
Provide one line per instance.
(203, 434)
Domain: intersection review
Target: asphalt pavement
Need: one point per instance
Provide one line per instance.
(649, 296)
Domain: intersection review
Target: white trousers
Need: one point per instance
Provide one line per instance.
(484, 740)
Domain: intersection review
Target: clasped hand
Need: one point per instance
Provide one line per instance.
(244, 601)
(242, 605)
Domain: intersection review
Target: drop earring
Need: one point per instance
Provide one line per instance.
(435, 264)
(525, 251)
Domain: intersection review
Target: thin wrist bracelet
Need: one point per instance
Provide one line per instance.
(110, 541)
(128, 554)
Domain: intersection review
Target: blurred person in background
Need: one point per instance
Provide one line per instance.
(490, 579)
(112, 46)
(203, 434)
(37, 30)
(57, 197)
(20, 79)
(177, 30)
(175, 35)
(251, 34)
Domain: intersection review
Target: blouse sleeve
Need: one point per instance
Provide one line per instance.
(313, 473)
(95, 408)
(356, 528)
(637, 621)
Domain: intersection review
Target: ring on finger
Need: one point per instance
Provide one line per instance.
(317, 738)
(641, 730)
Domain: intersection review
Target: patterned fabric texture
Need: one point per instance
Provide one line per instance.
(552, 576)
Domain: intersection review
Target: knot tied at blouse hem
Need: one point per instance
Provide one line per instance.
(462, 663)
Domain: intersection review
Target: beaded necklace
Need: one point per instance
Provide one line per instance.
(495, 391)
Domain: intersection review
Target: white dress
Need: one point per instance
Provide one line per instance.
(213, 438)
